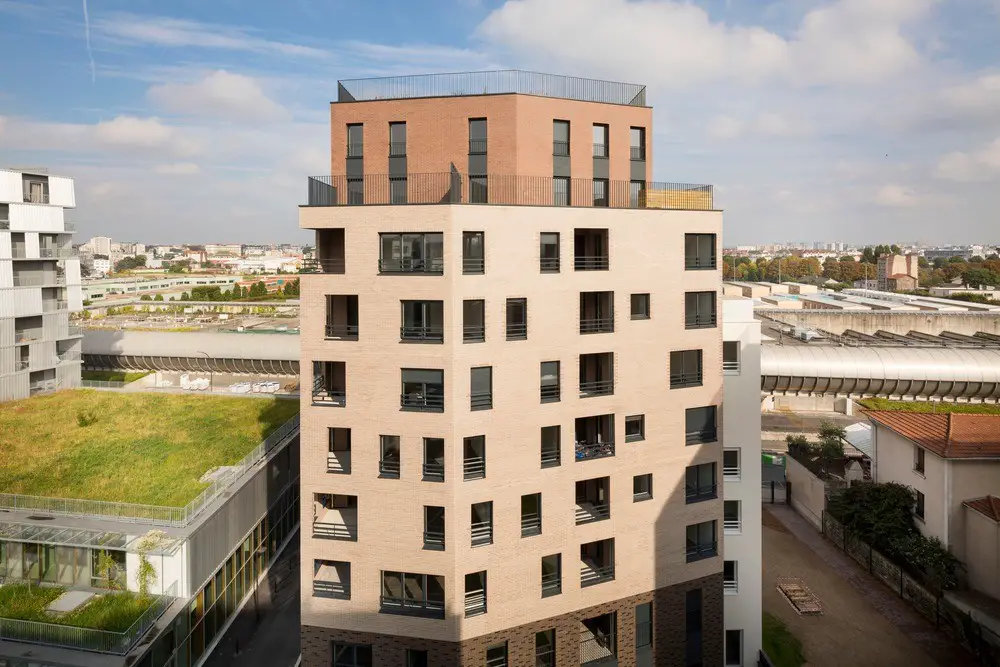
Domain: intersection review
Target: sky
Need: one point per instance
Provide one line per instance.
(191, 121)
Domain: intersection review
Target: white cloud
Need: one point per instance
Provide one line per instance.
(129, 132)
(977, 96)
(219, 94)
(177, 169)
(978, 166)
(894, 195)
(725, 127)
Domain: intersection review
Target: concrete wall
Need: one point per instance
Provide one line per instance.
(982, 552)
(283, 347)
(869, 322)
(808, 492)
(969, 479)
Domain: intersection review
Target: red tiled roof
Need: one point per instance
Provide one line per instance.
(950, 435)
(988, 506)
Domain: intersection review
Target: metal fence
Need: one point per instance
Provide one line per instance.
(505, 189)
(102, 384)
(87, 639)
(156, 515)
(979, 640)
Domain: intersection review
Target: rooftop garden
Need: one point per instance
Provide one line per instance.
(142, 448)
(939, 407)
(111, 611)
(114, 376)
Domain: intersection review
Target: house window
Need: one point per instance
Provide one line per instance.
(699, 251)
(549, 252)
(692, 628)
(734, 647)
(732, 522)
(700, 483)
(496, 655)
(685, 369)
(699, 310)
(423, 389)
(474, 457)
(397, 190)
(352, 655)
(481, 522)
(637, 194)
(642, 487)
(397, 139)
(473, 321)
(355, 191)
(560, 137)
(433, 527)
(551, 575)
(637, 143)
(355, 140)
(388, 464)
(531, 515)
(635, 428)
(416, 658)
(560, 191)
(731, 464)
(545, 648)
(411, 253)
(423, 322)
(640, 306)
(700, 425)
(729, 581)
(551, 436)
(433, 468)
(481, 395)
(517, 319)
(473, 253)
(601, 192)
(412, 594)
(550, 392)
(600, 140)
(477, 136)
(918, 508)
(731, 356)
(475, 593)
(918, 459)
(701, 541)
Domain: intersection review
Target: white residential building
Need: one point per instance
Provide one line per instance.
(741, 476)
(102, 266)
(99, 245)
(39, 285)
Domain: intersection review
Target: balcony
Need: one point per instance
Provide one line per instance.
(52, 305)
(593, 500)
(501, 189)
(36, 197)
(332, 579)
(329, 386)
(594, 437)
(338, 457)
(597, 562)
(342, 317)
(335, 266)
(56, 253)
(597, 375)
(598, 641)
(597, 312)
(42, 386)
(335, 517)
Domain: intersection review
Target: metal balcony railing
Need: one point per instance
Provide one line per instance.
(36, 197)
(550, 458)
(474, 467)
(699, 437)
(590, 263)
(597, 388)
(21, 365)
(731, 473)
(699, 320)
(336, 266)
(548, 264)
(682, 380)
(594, 450)
(475, 603)
(592, 573)
(473, 333)
(69, 226)
(473, 265)
(342, 331)
(338, 463)
(517, 330)
(56, 253)
(732, 526)
(421, 402)
(50, 305)
(551, 584)
(560, 148)
(425, 608)
(4, 224)
(600, 150)
(699, 262)
(397, 149)
(18, 251)
(637, 152)
(550, 393)
(335, 531)
(73, 331)
(67, 357)
(597, 325)
(730, 586)
(355, 149)
(531, 524)
(389, 468)
(411, 265)
(37, 281)
(482, 533)
(701, 550)
(730, 366)
(481, 400)
(25, 337)
(323, 395)
(703, 492)
(42, 386)
(331, 589)
(434, 539)
(422, 334)
(434, 472)
(477, 146)
(587, 512)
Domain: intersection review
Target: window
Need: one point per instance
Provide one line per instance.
(731, 522)
(598, 640)
(597, 312)
(642, 487)
(355, 191)
(734, 647)
(644, 626)
(597, 374)
(701, 542)
(545, 648)
(549, 381)
(531, 515)
(601, 192)
(699, 310)
(640, 306)
(397, 190)
(331, 579)
(355, 140)
(600, 140)
(637, 143)
(479, 189)
(699, 251)
(731, 464)
(692, 628)
(433, 467)
(411, 253)
(699, 483)
(560, 137)
(549, 252)
(700, 425)
(918, 459)
(433, 527)
(597, 562)
(481, 395)
(729, 581)
(918, 508)
(338, 457)
(475, 594)
(731, 357)
(397, 139)
(474, 457)
(352, 655)
(635, 428)
(637, 194)
(481, 522)
(473, 321)
(550, 446)
(423, 389)
(412, 594)
(388, 463)
(560, 191)
(473, 253)
(416, 658)
(423, 322)
(685, 369)
(517, 319)
(496, 655)
(551, 575)
(477, 136)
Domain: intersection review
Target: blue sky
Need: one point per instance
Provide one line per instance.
(865, 120)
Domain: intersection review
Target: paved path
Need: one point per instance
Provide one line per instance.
(932, 643)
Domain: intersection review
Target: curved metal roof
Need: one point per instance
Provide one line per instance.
(881, 371)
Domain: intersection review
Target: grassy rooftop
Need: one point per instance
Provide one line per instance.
(939, 407)
(140, 447)
(115, 612)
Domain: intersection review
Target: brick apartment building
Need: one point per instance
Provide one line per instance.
(511, 453)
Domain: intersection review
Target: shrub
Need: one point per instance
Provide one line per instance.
(85, 418)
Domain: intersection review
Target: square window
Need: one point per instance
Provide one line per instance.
(416, 658)
(685, 369)
(640, 306)
(496, 655)
(635, 428)
(642, 487)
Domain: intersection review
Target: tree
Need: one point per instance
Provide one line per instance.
(158, 297)
(978, 278)
(185, 296)
(894, 249)
(923, 263)
(976, 259)
(107, 570)
(145, 297)
(85, 270)
(831, 443)
(956, 260)
(992, 256)
(877, 513)
(130, 263)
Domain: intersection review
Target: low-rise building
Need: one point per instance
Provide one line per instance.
(898, 273)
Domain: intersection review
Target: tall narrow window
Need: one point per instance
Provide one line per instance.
(473, 322)
(560, 137)
(731, 357)
(355, 140)
(388, 464)
(692, 628)
(601, 192)
(477, 136)
(397, 139)
(473, 253)
(637, 143)
(551, 436)
(517, 319)
(734, 647)
(549, 252)
(600, 141)
(545, 648)
(482, 388)
(550, 392)
(560, 191)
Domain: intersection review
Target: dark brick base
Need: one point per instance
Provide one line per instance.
(668, 635)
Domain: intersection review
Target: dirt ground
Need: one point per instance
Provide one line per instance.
(850, 631)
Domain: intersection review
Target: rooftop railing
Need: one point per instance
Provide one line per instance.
(156, 515)
(505, 190)
(497, 82)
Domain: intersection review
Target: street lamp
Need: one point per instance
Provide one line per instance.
(211, 373)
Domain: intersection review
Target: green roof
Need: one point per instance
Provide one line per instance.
(142, 448)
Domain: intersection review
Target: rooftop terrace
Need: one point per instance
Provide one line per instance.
(137, 448)
(496, 82)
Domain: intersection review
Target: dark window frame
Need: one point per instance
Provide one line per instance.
(694, 302)
(426, 400)
(703, 435)
(474, 333)
(353, 660)
(700, 548)
(480, 400)
(602, 148)
(644, 306)
(473, 265)
(703, 486)
(478, 146)
(424, 607)
(635, 437)
(547, 459)
(389, 468)
(561, 147)
(355, 149)
(700, 260)
(645, 479)
(682, 375)
(550, 392)
(637, 151)
(423, 264)
(397, 148)
(427, 333)
(516, 330)
(549, 264)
